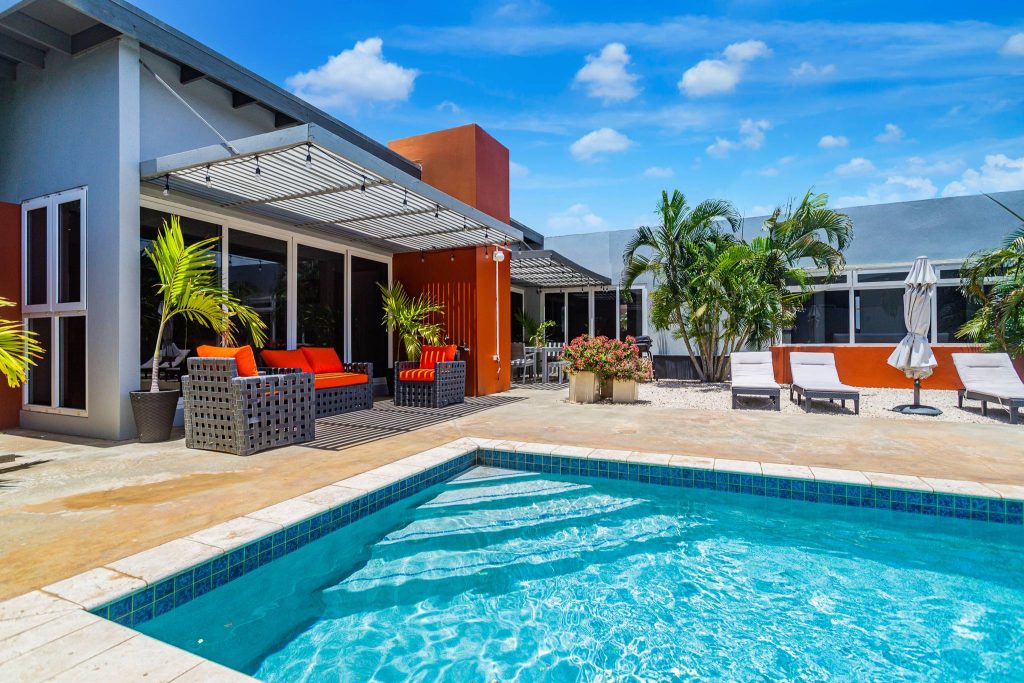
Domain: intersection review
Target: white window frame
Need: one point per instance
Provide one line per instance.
(590, 307)
(53, 310)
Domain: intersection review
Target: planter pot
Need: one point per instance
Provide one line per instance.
(606, 388)
(624, 391)
(584, 387)
(154, 413)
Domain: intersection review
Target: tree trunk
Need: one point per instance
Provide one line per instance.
(154, 380)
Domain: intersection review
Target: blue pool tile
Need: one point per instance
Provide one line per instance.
(164, 588)
(266, 544)
(164, 605)
(219, 578)
(219, 563)
(182, 596)
(182, 581)
(143, 615)
(124, 619)
(250, 564)
(235, 571)
(280, 537)
(203, 571)
(236, 556)
(252, 550)
(202, 586)
(121, 608)
(1014, 507)
(143, 598)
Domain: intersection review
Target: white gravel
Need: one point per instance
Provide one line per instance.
(873, 402)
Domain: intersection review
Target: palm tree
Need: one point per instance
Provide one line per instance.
(189, 287)
(680, 255)
(995, 280)
(18, 349)
(534, 332)
(411, 318)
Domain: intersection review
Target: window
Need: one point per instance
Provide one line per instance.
(579, 314)
(893, 276)
(631, 317)
(554, 309)
(181, 336)
(879, 316)
(516, 306)
(53, 296)
(258, 276)
(825, 319)
(321, 298)
(954, 309)
(370, 340)
(604, 314)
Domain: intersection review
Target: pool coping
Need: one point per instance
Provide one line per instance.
(55, 631)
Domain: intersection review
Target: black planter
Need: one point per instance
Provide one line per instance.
(154, 413)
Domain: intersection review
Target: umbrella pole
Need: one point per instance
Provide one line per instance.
(916, 408)
(917, 392)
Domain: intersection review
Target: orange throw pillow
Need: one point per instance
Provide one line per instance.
(279, 358)
(245, 359)
(322, 359)
(432, 355)
(416, 375)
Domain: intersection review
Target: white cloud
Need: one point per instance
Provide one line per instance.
(355, 76)
(833, 141)
(517, 170)
(751, 137)
(922, 166)
(854, 167)
(809, 72)
(599, 142)
(659, 172)
(895, 189)
(769, 172)
(448, 105)
(746, 51)
(605, 75)
(892, 133)
(998, 174)
(1014, 46)
(716, 76)
(577, 218)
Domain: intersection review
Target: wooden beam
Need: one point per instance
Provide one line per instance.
(17, 51)
(37, 31)
(91, 37)
(190, 75)
(240, 99)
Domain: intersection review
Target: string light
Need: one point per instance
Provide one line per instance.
(258, 172)
(209, 183)
(423, 257)
(437, 209)
(362, 188)
(309, 156)
(452, 257)
(405, 199)
(167, 184)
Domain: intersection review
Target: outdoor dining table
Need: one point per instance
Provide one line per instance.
(543, 353)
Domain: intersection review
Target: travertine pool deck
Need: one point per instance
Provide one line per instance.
(89, 503)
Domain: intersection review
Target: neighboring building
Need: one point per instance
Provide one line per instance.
(863, 305)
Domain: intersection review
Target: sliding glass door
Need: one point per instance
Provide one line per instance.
(320, 294)
(370, 338)
(258, 276)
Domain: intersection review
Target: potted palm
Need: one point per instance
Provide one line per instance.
(18, 349)
(188, 285)
(534, 332)
(411, 318)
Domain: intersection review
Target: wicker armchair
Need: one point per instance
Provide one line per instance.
(337, 400)
(448, 385)
(245, 415)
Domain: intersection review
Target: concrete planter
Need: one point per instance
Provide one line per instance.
(584, 387)
(605, 388)
(624, 391)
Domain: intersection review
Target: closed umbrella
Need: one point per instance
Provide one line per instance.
(913, 355)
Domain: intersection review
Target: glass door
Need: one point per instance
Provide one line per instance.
(370, 339)
(320, 292)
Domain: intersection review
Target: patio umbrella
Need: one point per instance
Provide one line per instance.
(913, 355)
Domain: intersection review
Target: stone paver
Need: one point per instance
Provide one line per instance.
(95, 587)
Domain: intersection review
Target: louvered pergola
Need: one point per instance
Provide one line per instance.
(550, 270)
(311, 178)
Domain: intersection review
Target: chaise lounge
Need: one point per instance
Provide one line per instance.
(754, 375)
(815, 378)
(989, 378)
(436, 381)
(340, 387)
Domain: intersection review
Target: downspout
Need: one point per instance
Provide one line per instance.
(497, 256)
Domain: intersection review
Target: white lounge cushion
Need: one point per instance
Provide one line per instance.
(753, 370)
(989, 373)
(817, 372)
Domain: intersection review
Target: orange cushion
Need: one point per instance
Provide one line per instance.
(286, 359)
(322, 359)
(245, 359)
(431, 355)
(417, 375)
(329, 380)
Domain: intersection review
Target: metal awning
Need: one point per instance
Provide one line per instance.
(343, 191)
(549, 269)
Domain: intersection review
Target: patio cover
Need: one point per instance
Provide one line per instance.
(344, 191)
(550, 270)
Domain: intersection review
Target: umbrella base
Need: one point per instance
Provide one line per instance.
(917, 409)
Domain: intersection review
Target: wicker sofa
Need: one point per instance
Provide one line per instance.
(340, 387)
(243, 415)
(435, 381)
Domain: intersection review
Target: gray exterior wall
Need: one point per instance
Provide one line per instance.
(75, 123)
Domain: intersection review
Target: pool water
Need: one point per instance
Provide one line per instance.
(500, 576)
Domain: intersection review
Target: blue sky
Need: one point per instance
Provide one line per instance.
(604, 105)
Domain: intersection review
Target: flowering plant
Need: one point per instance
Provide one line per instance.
(607, 358)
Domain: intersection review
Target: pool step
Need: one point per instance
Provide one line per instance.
(498, 494)
(482, 474)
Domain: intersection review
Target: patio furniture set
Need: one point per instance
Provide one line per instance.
(987, 377)
(538, 362)
(233, 406)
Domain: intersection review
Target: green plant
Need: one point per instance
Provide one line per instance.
(994, 279)
(411, 318)
(18, 349)
(719, 293)
(535, 333)
(189, 287)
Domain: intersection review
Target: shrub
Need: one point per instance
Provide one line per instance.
(607, 358)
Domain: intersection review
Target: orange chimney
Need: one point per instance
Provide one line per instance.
(465, 162)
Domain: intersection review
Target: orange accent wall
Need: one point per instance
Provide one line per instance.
(10, 288)
(466, 289)
(864, 365)
(465, 162)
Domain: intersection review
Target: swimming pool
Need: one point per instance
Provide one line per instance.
(501, 575)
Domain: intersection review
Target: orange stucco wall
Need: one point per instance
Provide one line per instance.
(864, 365)
(465, 162)
(466, 289)
(10, 288)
